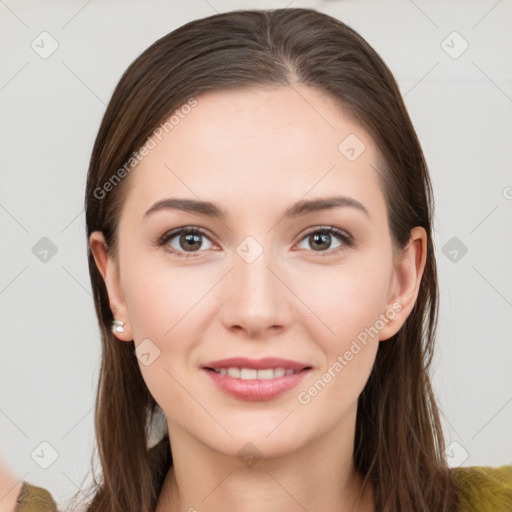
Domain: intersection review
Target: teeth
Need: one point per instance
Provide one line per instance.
(264, 374)
(248, 373)
(279, 372)
(234, 372)
(251, 373)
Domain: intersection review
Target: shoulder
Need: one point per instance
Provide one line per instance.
(484, 488)
(35, 499)
(480, 488)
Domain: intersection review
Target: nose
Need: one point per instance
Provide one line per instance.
(255, 299)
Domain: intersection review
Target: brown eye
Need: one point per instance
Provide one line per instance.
(185, 241)
(321, 240)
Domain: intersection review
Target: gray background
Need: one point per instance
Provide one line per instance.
(460, 101)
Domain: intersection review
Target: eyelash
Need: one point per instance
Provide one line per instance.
(345, 238)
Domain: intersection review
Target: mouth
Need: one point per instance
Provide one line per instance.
(252, 379)
(249, 369)
(252, 373)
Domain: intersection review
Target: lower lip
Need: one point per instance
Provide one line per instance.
(256, 389)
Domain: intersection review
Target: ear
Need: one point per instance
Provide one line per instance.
(405, 282)
(109, 270)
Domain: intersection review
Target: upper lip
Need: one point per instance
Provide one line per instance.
(257, 364)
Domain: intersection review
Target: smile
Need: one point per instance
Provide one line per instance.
(256, 379)
(251, 373)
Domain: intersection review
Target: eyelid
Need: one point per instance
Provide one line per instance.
(345, 235)
(183, 229)
(172, 233)
(346, 238)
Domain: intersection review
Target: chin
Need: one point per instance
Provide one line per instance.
(257, 443)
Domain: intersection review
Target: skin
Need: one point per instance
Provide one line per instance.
(10, 488)
(255, 153)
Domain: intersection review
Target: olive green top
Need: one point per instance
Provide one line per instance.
(481, 489)
(35, 499)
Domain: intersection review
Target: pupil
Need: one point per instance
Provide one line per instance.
(191, 239)
(324, 238)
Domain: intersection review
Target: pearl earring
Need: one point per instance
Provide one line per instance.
(117, 326)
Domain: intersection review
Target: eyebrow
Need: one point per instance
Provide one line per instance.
(300, 208)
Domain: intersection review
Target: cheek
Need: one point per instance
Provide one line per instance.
(348, 353)
(167, 306)
(163, 301)
(341, 303)
(344, 318)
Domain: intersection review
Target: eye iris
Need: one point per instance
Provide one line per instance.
(321, 238)
(190, 241)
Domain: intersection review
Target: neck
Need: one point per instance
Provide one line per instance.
(318, 476)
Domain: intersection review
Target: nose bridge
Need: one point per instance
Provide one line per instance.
(256, 295)
(253, 280)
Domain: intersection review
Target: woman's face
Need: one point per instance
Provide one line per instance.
(263, 279)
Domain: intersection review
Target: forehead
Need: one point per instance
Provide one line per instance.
(260, 145)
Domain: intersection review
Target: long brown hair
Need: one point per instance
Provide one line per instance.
(399, 444)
